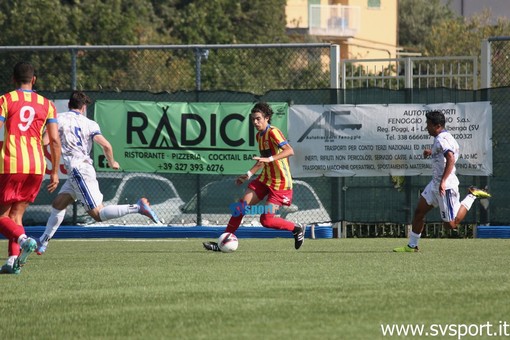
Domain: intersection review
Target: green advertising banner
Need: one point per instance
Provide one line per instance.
(201, 138)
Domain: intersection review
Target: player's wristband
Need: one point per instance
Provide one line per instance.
(249, 173)
(271, 158)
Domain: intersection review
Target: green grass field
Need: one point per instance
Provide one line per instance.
(329, 289)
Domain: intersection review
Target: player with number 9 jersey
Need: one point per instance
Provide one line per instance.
(24, 114)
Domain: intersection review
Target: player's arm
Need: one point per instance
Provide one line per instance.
(448, 169)
(287, 151)
(107, 150)
(55, 151)
(254, 169)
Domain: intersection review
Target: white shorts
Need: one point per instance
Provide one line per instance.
(82, 185)
(448, 205)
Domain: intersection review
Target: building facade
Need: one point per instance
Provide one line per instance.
(364, 29)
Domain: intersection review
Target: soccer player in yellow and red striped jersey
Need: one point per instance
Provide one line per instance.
(275, 174)
(24, 115)
(274, 182)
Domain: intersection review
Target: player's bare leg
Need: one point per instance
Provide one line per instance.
(417, 227)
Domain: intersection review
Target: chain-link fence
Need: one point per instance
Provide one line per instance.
(499, 96)
(498, 61)
(189, 199)
(360, 200)
(170, 68)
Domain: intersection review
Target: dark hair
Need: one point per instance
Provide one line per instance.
(436, 118)
(23, 72)
(263, 108)
(78, 100)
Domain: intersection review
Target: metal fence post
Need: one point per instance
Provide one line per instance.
(199, 54)
(485, 68)
(408, 71)
(334, 62)
(73, 69)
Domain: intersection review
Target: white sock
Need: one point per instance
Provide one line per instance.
(116, 211)
(413, 239)
(468, 201)
(10, 260)
(54, 221)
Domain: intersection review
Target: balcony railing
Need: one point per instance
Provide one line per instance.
(457, 72)
(334, 20)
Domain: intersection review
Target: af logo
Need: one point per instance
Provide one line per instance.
(328, 122)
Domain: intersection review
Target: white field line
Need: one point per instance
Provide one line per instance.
(114, 240)
(122, 240)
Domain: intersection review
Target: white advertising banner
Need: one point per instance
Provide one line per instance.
(381, 140)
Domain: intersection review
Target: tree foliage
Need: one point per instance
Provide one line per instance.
(137, 22)
(432, 29)
(126, 22)
(223, 21)
(25, 23)
(92, 22)
(459, 36)
(415, 20)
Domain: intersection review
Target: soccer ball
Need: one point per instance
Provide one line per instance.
(228, 242)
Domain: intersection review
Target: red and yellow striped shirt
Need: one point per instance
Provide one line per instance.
(24, 114)
(274, 174)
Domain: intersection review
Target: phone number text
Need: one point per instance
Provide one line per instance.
(193, 167)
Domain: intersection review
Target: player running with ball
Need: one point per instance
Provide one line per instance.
(274, 182)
